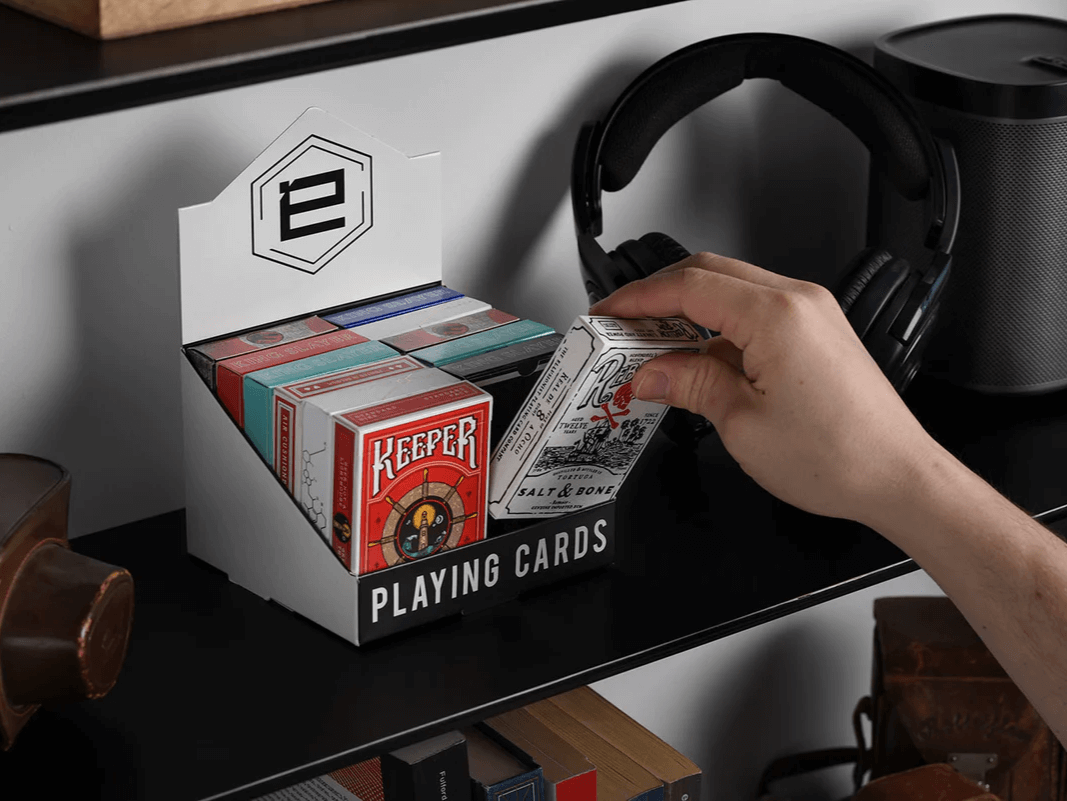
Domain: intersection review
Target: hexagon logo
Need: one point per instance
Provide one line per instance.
(312, 204)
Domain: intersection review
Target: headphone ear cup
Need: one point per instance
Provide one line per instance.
(667, 250)
(858, 274)
(871, 279)
(634, 260)
(640, 258)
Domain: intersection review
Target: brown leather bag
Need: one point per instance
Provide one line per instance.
(939, 696)
(937, 782)
(64, 618)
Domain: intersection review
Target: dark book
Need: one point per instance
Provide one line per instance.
(679, 774)
(432, 770)
(568, 775)
(618, 777)
(500, 771)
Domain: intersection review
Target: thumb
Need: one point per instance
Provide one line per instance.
(694, 381)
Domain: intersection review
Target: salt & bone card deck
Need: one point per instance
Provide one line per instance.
(581, 429)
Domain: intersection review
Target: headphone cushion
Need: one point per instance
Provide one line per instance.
(667, 250)
(859, 273)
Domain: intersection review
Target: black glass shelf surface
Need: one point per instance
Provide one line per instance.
(225, 695)
(48, 73)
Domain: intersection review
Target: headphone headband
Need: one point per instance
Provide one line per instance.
(610, 153)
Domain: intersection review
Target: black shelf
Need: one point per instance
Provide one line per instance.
(225, 695)
(49, 74)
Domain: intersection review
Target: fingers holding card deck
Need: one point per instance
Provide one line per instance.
(713, 300)
(724, 265)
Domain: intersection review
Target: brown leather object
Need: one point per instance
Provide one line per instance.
(940, 696)
(64, 618)
(936, 782)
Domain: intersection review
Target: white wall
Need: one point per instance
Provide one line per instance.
(88, 276)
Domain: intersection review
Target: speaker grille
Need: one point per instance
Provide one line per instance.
(1004, 323)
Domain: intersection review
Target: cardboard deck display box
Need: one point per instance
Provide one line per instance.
(328, 218)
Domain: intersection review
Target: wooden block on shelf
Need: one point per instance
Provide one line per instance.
(114, 19)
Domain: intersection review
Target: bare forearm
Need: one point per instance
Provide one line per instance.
(1005, 572)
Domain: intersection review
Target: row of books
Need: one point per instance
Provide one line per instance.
(573, 747)
(378, 418)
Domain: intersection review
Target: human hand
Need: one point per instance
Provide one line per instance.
(790, 389)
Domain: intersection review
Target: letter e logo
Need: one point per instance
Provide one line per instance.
(311, 204)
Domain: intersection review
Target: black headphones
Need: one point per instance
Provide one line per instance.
(890, 305)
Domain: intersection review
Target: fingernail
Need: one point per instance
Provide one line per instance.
(653, 386)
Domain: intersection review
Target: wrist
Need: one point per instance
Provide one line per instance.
(929, 485)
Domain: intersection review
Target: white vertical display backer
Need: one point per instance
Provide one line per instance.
(326, 215)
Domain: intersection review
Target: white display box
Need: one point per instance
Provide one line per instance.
(325, 217)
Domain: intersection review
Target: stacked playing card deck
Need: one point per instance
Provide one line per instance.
(386, 454)
(383, 420)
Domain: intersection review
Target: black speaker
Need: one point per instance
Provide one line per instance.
(996, 88)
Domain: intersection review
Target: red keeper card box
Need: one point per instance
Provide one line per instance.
(410, 477)
(324, 218)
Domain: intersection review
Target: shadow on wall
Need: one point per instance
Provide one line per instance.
(767, 708)
(812, 188)
(543, 183)
(117, 426)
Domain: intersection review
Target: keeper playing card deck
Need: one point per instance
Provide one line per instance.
(370, 385)
(409, 477)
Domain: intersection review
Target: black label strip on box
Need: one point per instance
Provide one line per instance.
(479, 575)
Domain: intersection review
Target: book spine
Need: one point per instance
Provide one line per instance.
(655, 794)
(577, 788)
(529, 786)
(687, 789)
(441, 776)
